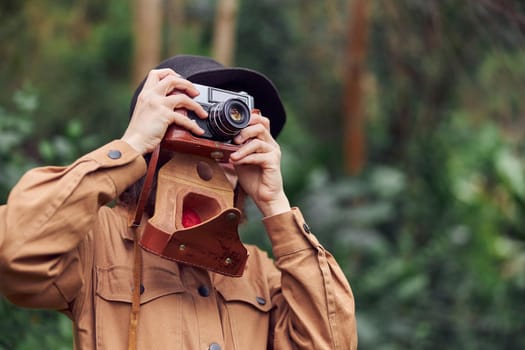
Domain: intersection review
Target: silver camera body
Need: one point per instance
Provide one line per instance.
(228, 112)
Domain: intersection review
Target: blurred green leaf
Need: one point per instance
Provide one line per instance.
(510, 168)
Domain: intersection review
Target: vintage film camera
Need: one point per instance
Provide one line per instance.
(228, 113)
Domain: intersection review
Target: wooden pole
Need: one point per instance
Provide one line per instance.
(147, 24)
(224, 33)
(353, 96)
(175, 18)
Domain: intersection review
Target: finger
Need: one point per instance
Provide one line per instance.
(254, 146)
(258, 131)
(257, 118)
(258, 159)
(172, 84)
(184, 101)
(156, 75)
(164, 72)
(182, 120)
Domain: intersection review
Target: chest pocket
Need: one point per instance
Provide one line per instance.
(115, 283)
(247, 304)
(161, 293)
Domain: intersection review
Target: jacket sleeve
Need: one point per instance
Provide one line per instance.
(314, 306)
(48, 215)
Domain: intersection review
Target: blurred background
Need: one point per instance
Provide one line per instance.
(403, 144)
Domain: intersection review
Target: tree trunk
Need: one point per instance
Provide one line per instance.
(147, 25)
(354, 138)
(224, 33)
(175, 19)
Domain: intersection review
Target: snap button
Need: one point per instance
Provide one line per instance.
(306, 228)
(261, 300)
(114, 154)
(203, 291)
(204, 171)
(231, 216)
(141, 289)
(214, 346)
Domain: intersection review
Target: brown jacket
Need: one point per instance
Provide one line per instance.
(62, 248)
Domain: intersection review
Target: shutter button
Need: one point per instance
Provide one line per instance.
(114, 154)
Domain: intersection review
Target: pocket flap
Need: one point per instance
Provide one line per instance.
(245, 291)
(115, 283)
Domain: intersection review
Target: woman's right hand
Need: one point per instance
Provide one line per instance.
(158, 107)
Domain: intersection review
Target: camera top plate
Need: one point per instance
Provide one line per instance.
(211, 95)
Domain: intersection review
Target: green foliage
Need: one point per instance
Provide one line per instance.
(33, 329)
(78, 58)
(19, 151)
(15, 131)
(431, 236)
(457, 280)
(300, 47)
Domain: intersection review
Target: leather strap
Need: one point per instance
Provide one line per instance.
(146, 189)
(135, 298)
(134, 223)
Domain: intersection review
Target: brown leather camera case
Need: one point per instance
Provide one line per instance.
(198, 184)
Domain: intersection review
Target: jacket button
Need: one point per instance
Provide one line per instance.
(261, 301)
(214, 346)
(306, 228)
(114, 154)
(141, 290)
(204, 291)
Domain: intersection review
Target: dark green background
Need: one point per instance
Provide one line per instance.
(431, 234)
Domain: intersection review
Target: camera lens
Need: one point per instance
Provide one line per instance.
(235, 114)
(228, 118)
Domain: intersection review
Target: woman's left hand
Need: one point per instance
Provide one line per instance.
(258, 166)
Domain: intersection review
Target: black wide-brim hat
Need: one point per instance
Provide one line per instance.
(206, 71)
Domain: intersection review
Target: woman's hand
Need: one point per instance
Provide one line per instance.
(258, 166)
(157, 107)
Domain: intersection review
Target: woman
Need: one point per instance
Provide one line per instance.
(64, 249)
